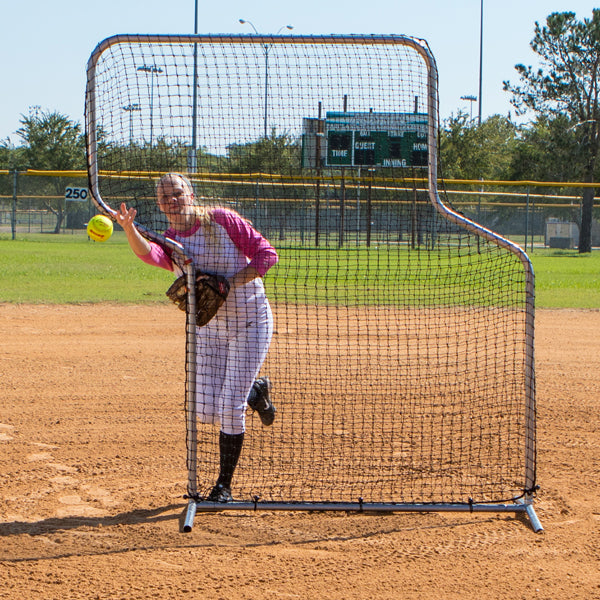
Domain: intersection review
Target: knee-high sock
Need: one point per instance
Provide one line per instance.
(230, 447)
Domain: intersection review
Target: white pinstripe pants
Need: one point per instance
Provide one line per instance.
(228, 359)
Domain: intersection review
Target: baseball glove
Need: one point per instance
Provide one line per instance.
(211, 293)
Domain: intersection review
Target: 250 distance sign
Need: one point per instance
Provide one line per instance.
(76, 194)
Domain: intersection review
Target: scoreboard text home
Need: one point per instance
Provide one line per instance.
(365, 140)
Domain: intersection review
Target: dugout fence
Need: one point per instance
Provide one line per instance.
(403, 356)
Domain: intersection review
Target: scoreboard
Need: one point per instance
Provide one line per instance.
(368, 140)
(376, 139)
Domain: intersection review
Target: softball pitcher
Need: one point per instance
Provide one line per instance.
(232, 347)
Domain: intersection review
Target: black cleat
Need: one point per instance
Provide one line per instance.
(260, 401)
(220, 493)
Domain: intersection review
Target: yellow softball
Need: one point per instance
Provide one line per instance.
(99, 228)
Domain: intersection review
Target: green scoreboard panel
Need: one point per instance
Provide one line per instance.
(376, 139)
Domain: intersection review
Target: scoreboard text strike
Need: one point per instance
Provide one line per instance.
(367, 140)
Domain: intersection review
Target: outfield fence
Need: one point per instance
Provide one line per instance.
(529, 213)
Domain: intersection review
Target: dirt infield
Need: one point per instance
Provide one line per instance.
(92, 474)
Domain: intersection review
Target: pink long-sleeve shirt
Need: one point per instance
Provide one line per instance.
(261, 254)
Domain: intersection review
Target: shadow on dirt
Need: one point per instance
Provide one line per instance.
(134, 517)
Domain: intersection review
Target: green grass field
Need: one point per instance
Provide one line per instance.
(57, 269)
(45, 268)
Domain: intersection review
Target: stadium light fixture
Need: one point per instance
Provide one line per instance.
(153, 70)
(470, 99)
(131, 108)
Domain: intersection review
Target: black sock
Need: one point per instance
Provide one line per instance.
(230, 447)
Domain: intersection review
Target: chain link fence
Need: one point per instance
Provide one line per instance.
(531, 214)
(44, 202)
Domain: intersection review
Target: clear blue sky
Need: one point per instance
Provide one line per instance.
(44, 46)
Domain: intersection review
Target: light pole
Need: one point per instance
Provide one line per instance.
(480, 59)
(471, 99)
(152, 69)
(266, 49)
(131, 108)
(192, 159)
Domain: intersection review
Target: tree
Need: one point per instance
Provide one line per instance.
(52, 142)
(5, 153)
(278, 153)
(471, 151)
(567, 83)
(10, 157)
(546, 150)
